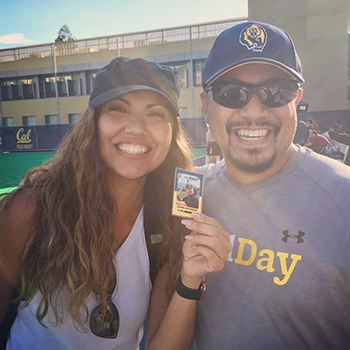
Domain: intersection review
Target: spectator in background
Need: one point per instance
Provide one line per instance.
(315, 125)
(213, 153)
(318, 143)
(336, 127)
(309, 127)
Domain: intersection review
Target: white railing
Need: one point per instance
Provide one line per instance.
(119, 42)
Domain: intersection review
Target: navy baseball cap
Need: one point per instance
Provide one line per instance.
(123, 75)
(251, 42)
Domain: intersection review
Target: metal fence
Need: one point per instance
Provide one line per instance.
(119, 42)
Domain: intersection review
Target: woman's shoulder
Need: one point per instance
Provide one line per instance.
(18, 214)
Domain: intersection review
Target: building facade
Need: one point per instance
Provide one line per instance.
(32, 95)
(29, 83)
(321, 33)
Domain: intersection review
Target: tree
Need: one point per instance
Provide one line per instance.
(64, 34)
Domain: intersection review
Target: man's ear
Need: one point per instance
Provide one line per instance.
(299, 96)
(204, 99)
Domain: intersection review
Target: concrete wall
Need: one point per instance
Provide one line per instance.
(319, 31)
(41, 107)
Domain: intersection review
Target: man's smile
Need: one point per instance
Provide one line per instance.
(252, 135)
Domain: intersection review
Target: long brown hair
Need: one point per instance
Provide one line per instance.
(69, 251)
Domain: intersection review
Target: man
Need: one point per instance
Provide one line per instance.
(318, 143)
(336, 127)
(285, 284)
(309, 127)
(286, 281)
(191, 200)
(213, 153)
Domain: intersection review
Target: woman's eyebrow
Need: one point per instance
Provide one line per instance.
(156, 104)
(122, 100)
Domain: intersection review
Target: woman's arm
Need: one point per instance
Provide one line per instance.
(171, 319)
(175, 313)
(15, 224)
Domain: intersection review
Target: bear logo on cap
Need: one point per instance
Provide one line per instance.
(253, 37)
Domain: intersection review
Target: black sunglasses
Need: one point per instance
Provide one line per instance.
(271, 94)
(105, 323)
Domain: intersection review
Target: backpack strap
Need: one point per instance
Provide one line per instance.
(154, 244)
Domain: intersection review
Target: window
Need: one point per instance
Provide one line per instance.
(27, 121)
(90, 78)
(73, 118)
(17, 89)
(183, 112)
(28, 88)
(50, 88)
(74, 84)
(198, 69)
(8, 121)
(67, 85)
(51, 119)
(9, 90)
(180, 72)
(62, 86)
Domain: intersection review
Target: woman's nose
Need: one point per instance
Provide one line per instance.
(135, 125)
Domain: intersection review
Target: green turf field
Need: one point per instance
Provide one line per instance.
(198, 152)
(14, 166)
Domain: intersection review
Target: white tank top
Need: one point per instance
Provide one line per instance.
(131, 298)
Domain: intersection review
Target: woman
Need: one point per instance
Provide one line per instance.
(72, 237)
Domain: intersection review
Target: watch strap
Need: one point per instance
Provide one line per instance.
(192, 294)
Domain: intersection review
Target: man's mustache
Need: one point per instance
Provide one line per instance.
(249, 123)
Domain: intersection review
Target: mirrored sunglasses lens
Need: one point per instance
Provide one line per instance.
(105, 325)
(230, 96)
(263, 94)
(281, 93)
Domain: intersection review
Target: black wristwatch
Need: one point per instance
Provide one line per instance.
(193, 294)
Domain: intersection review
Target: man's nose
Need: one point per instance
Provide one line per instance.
(254, 109)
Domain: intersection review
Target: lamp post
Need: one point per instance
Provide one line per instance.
(56, 85)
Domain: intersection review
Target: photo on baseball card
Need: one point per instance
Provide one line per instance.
(188, 193)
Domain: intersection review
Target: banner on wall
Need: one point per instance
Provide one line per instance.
(25, 138)
(33, 138)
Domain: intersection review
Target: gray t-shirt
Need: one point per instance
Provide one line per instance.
(286, 282)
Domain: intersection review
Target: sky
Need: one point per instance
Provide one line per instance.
(33, 22)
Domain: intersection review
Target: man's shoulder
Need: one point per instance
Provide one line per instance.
(212, 169)
(326, 172)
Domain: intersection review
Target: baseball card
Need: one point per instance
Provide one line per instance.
(188, 193)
